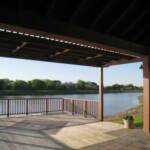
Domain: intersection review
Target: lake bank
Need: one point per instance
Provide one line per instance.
(44, 92)
(58, 92)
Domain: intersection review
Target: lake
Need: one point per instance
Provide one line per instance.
(113, 102)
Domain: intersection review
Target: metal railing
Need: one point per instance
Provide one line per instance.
(10, 107)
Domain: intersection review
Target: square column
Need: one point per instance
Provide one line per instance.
(100, 111)
(146, 91)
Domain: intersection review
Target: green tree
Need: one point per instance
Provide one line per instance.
(20, 85)
(80, 85)
(69, 86)
(6, 84)
(37, 84)
(57, 84)
(91, 86)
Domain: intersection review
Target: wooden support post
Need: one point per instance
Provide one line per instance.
(146, 100)
(100, 111)
(72, 102)
(85, 108)
(8, 108)
(26, 106)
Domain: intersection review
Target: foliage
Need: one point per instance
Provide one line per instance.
(6, 84)
(138, 120)
(37, 84)
(20, 85)
(128, 117)
(80, 85)
(122, 88)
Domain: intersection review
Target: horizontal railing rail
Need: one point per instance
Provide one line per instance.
(9, 107)
(85, 107)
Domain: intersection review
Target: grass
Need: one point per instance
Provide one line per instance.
(138, 120)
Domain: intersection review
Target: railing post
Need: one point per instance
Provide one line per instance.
(46, 106)
(85, 108)
(63, 105)
(26, 106)
(72, 103)
(8, 108)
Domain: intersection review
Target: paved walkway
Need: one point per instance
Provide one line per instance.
(62, 132)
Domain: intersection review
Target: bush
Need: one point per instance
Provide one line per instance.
(128, 117)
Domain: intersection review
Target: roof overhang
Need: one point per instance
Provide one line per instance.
(21, 42)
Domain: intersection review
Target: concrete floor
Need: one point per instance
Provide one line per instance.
(63, 131)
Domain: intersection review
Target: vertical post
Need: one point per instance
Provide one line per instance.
(26, 106)
(100, 113)
(8, 108)
(72, 103)
(85, 108)
(146, 100)
(46, 106)
(62, 105)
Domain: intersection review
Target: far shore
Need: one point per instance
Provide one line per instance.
(57, 92)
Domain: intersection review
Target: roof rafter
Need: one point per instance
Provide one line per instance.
(51, 7)
(60, 53)
(78, 11)
(136, 21)
(129, 8)
(145, 29)
(101, 14)
(91, 57)
(19, 47)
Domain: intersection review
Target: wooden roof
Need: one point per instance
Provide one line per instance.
(85, 32)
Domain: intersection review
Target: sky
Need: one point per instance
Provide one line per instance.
(19, 69)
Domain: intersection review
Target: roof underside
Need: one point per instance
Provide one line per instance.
(85, 32)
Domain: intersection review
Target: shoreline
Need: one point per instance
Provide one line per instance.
(56, 92)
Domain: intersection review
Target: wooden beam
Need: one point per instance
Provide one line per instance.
(100, 115)
(91, 57)
(60, 53)
(19, 47)
(146, 100)
(122, 61)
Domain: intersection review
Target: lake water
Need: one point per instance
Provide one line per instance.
(113, 102)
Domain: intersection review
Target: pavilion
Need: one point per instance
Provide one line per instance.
(83, 32)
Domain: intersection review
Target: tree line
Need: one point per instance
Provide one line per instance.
(122, 88)
(37, 84)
